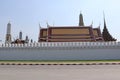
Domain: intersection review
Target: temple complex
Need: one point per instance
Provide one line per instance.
(20, 40)
(80, 33)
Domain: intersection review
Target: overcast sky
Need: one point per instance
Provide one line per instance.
(25, 15)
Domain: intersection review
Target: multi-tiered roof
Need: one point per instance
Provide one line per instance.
(80, 33)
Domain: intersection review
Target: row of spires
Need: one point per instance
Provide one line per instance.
(81, 21)
(106, 35)
(17, 40)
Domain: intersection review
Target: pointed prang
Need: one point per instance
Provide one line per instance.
(106, 35)
(81, 21)
(20, 35)
(27, 39)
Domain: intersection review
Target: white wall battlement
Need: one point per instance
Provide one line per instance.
(63, 44)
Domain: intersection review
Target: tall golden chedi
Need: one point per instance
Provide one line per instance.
(80, 33)
(8, 34)
(81, 22)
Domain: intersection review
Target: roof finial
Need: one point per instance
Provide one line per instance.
(40, 26)
(99, 25)
(91, 23)
(104, 19)
(47, 24)
(53, 23)
(103, 14)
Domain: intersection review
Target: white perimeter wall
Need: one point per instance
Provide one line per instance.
(59, 53)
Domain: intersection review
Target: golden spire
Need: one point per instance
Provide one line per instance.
(81, 22)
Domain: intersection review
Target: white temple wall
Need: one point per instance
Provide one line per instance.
(57, 53)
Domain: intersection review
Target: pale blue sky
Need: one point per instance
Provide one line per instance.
(25, 15)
